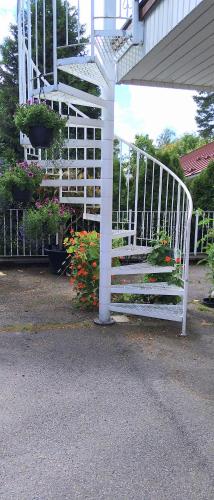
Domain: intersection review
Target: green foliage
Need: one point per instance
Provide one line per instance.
(205, 114)
(208, 242)
(84, 249)
(171, 160)
(10, 148)
(162, 255)
(116, 185)
(145, 143)
(48, 218)
(38, 114)
(183, 145)
(202, 188)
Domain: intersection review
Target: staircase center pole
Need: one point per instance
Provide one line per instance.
(108, 94)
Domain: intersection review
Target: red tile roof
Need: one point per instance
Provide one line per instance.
(193, 163)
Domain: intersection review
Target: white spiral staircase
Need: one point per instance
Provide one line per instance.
(84, 173)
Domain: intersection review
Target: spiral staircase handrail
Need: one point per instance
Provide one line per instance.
(167, 169)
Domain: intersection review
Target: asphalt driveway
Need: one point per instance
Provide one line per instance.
(89, 412)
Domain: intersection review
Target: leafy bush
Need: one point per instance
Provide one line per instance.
(84, 247)
(48, 218)
(162, 255)
(208, 241)
(202, 189)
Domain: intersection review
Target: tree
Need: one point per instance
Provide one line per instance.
(9, 136)
(202, 188)
(205, 114)
(145, 143)
(166, 137)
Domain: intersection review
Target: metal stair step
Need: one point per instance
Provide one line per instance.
(69, 164)
(68, 94)
(141, 268)
(71, 182)
(84, 67)
(92, 217)
(130, 250)
(80, 200)
(123, 233)
(148, 289)
(160, 311)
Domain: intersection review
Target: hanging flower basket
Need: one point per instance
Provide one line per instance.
(41, 137)
(40, 123)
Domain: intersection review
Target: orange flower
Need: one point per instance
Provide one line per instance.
(164, 242)
(95, 303)
(72, 281)
(152, 280)
(178, 260)
(168, 258)
(94, 264)
(92, 244)
(83, 299)
(80, 285)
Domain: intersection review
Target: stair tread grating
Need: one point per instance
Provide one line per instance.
(141, 268)
(129, 250)
(148, 289)
(84, 68)
(169, 312)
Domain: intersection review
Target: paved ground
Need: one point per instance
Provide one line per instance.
(123, 412)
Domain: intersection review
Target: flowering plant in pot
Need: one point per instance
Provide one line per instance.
(50, 218)
(40, 123)
(83, 249)
(208, 241)
(21, 180)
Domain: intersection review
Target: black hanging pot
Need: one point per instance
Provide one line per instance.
(57, 260)
(41, 137)
(21, 195)
(209, 302)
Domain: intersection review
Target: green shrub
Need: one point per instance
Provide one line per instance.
(202, 189)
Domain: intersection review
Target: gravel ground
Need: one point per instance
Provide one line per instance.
(89, 412)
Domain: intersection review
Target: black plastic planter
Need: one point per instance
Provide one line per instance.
(57, 260)
(21, 195)
(209, 302)
(41, 137)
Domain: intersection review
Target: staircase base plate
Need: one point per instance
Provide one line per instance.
(97, 321)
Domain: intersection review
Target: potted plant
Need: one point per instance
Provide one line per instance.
(18, 182)
(50, 218)
(40, 123)
(209, 259)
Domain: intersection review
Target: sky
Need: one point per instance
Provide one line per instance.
(138, 109)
